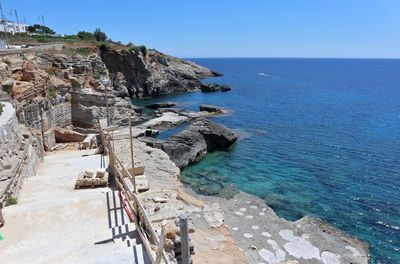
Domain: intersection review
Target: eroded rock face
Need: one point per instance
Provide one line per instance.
(201, 137)
(151, 73)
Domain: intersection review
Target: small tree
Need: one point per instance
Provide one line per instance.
(85, 35)
(40, 29)
(99, 35)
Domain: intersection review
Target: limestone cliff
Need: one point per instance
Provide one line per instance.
(61, 89)
(145, 72)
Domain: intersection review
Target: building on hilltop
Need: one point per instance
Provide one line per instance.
(12, 27)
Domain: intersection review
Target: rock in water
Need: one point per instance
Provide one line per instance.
(213, 87)
(210, 109)
(161, 105)
(194, 142)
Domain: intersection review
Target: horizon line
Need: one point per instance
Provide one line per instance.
(318, 58)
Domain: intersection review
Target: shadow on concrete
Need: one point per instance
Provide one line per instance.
(122, 229)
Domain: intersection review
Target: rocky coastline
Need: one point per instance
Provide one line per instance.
(59, 95)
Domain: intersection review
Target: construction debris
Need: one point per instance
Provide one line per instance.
(91, 179)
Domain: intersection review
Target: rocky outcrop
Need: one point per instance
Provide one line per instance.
(214, 87)
(193, 143)
(161, 105)
(151, 73)
(210, 109)
(63, 90)
(64, 136)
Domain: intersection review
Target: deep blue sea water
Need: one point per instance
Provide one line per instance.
(319, 137)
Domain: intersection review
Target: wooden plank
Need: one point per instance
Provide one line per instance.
(110, 128)
(162, 240)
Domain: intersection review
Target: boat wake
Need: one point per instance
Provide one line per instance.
(264, 74)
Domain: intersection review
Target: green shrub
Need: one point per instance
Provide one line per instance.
(43, 39)
(104, 47)
(1, 108)
(139, 49)
(97, 73)
(51, 92)
(52, 70)
(142, 49)
(11, 201)
(99, 35)
(85, 35)
(84, 51)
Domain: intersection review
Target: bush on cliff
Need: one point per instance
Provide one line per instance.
(99, 35)
(85, 51)
(104, 47)
(85, 35)
(11, 201)
(140, 49)
(51, 92)
(52, 70)
(1, 108)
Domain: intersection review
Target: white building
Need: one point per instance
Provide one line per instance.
(12, 27)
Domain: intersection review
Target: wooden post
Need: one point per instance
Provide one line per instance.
(161, 243)
(132, 159)
(185, 249)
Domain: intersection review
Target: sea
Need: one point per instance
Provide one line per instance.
(318, 137)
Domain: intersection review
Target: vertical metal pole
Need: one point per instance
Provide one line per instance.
(161, 243)
(132, 158)
(16, 15)
(44, 31)
(185, 248)
(5, 24)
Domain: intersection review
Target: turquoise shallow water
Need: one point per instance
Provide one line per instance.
(319, 137)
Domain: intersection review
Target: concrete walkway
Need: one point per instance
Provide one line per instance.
(53, 223)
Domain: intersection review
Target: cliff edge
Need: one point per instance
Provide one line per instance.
(142, 72)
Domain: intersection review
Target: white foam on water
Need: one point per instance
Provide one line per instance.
(261, 213)
(255, 227)
(253, 207)
(242, 209)
(235, 228)
(249, 216)
(239, 213)
(264, 74)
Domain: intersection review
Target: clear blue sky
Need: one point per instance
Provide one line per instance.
(232, 28)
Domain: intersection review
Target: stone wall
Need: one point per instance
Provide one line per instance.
(10, 136)
(55, 116)
(20, 152)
